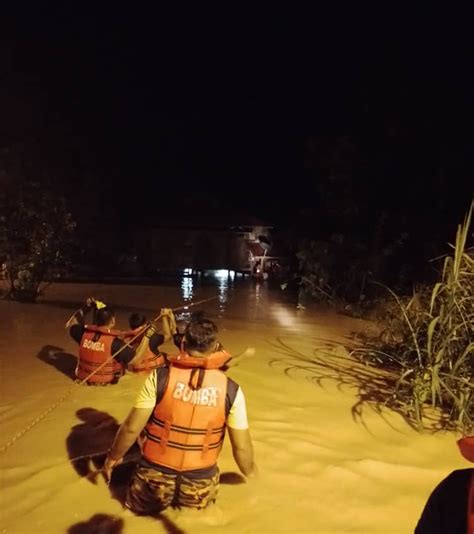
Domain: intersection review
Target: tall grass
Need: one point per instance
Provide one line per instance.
(429, 343)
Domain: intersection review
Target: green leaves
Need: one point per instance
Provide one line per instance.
(35, 237)
(434, 352)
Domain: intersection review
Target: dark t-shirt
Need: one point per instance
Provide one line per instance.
(155, 341)
(445, 511)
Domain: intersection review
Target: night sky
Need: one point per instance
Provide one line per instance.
(153, 105)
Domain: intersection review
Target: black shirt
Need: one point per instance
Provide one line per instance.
(446, 509)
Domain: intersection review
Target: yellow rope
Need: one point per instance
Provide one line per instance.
(25, 430)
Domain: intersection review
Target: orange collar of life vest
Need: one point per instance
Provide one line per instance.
(213, 361)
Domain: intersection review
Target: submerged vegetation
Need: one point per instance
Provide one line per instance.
(428, 343)
(35, 238)
(421, 363)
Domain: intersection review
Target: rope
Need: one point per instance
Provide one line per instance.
(40, 417)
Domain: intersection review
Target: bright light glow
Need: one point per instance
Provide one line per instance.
(188, 270)
(187, 287)
(221, 273)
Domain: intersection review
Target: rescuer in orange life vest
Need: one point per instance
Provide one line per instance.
(148, 355)
(181, 415)
(97, 343)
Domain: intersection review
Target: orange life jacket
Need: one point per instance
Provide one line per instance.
(145, 360)
(216, 360)
(187, 427)
(95, 348)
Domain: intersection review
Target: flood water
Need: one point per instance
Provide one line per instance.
(321, 470)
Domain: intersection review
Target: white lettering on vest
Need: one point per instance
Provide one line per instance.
(93, 345)
(203, 397)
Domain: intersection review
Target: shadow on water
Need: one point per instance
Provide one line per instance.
(231, 478)
(86, 440)
(62, 361)
(98, 524)
(325, 361)
(108, 524)
(87, 444)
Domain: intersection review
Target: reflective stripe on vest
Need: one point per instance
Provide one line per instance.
(95, 348)
(187, 428)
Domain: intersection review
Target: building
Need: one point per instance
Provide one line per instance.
(202, 241)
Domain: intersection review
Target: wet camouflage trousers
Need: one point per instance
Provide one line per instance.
(152, 491)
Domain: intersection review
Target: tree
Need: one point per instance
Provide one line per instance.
(35, 237)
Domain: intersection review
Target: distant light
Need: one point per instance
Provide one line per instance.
(187, 287)
(221, 273)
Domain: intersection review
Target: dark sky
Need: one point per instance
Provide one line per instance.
(224, 100)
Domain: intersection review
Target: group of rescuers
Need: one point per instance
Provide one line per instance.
(184, 407)
(182, 411)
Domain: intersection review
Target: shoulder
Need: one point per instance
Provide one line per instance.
(147, 396)
(156, 339)
(233, 392)
(76, 332)
(232, 388)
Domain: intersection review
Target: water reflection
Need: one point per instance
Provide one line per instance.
(187, 285)
(222, 278)
(237, 296)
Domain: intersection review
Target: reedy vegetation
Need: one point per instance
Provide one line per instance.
(428, 343)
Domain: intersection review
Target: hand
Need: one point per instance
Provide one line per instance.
(109, 465)
(172, 321)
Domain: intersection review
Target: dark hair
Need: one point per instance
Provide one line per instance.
(104, 316)
(200, 335)
(136, 319)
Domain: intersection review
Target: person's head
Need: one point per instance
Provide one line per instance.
(136, 320)
(105, 317)
(200, 335)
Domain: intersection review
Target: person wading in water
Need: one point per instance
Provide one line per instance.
(180, 417)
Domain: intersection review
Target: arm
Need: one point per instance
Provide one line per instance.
(155, 341)
(126, 437)
(126, 355)
(168, 323)
(242, 450)
(78, 317)
(76, 322)
(238, 427)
